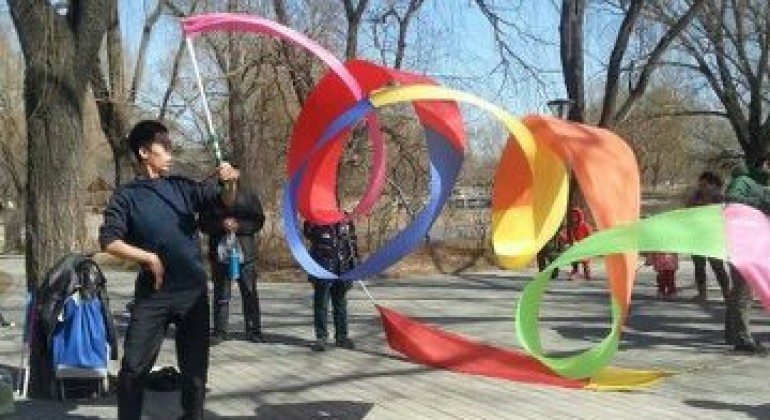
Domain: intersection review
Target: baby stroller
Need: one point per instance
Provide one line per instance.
(75, 327)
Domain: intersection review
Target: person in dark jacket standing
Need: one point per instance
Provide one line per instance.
(244, 219)
(152, 221)
(334, 247)
(709, 191)
(745, 187)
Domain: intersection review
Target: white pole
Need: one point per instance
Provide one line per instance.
(206, 110)
(366, 290)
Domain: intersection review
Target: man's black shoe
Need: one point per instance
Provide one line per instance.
(256, 337)
(750, 348)
(345, 343)
(319, 345)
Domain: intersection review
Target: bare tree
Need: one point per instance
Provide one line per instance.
(354, 12)
(116, 97)
(402, 15)
(112, 99)
(729, 46)
(573, 15)
(55, 48)
(664, 145)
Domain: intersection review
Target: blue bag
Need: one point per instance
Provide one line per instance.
(80, 339)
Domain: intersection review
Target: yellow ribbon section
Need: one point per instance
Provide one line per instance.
(528, 205)
(529, 196)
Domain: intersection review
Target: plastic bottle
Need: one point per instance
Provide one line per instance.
(233, 259)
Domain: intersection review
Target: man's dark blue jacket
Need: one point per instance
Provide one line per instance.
(159, 216)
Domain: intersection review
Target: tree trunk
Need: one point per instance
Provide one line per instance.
(112, 101)
(55, 49)
(54, 211)
(236, 103)
(571, 48)
(14, 222)
(353, 12)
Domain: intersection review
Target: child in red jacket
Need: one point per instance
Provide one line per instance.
(578, 229)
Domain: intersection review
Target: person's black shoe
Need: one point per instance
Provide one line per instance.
(217, 338)
(319, 345)
(255, 337)
(345, 343)
(754, 347)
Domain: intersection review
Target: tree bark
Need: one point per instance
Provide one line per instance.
(571, 48)
(236, 101)
(14, 222)
(55, 48)
(353, 12)
(731, 44)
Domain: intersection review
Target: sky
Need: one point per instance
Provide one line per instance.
(461, 56)
(467, 50)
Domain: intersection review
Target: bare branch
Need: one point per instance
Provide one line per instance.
(139, 66)
(652, 62)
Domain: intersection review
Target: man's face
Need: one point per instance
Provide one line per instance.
(157, 158)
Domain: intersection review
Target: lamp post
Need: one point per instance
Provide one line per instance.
(560, 108)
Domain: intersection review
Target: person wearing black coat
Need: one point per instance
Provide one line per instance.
(335, 248)
(246, 218)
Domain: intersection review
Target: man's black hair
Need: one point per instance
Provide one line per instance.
(143, 135)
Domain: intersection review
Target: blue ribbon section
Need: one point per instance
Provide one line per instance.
(445, 164)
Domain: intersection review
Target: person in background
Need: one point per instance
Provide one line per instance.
(708, 191)
(745, 187)
(577, 229)
(235, 228)
(665, 265)
(335, 247)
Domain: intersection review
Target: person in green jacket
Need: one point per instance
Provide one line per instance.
(746, 187)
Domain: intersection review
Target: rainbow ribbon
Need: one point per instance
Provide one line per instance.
(529, 201)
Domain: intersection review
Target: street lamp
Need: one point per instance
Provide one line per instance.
(560, 108)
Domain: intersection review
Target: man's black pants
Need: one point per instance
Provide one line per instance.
(249, 297)
(150, 316)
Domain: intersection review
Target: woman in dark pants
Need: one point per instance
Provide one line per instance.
(709, 191)
(335, 247)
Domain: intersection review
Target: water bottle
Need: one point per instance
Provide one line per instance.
(233, 260)
(6, 392)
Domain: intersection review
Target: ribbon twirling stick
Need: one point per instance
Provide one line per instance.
(213, 139)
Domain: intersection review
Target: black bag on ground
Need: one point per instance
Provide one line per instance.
(163, 380)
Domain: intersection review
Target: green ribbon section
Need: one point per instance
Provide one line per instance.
(697, 231)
